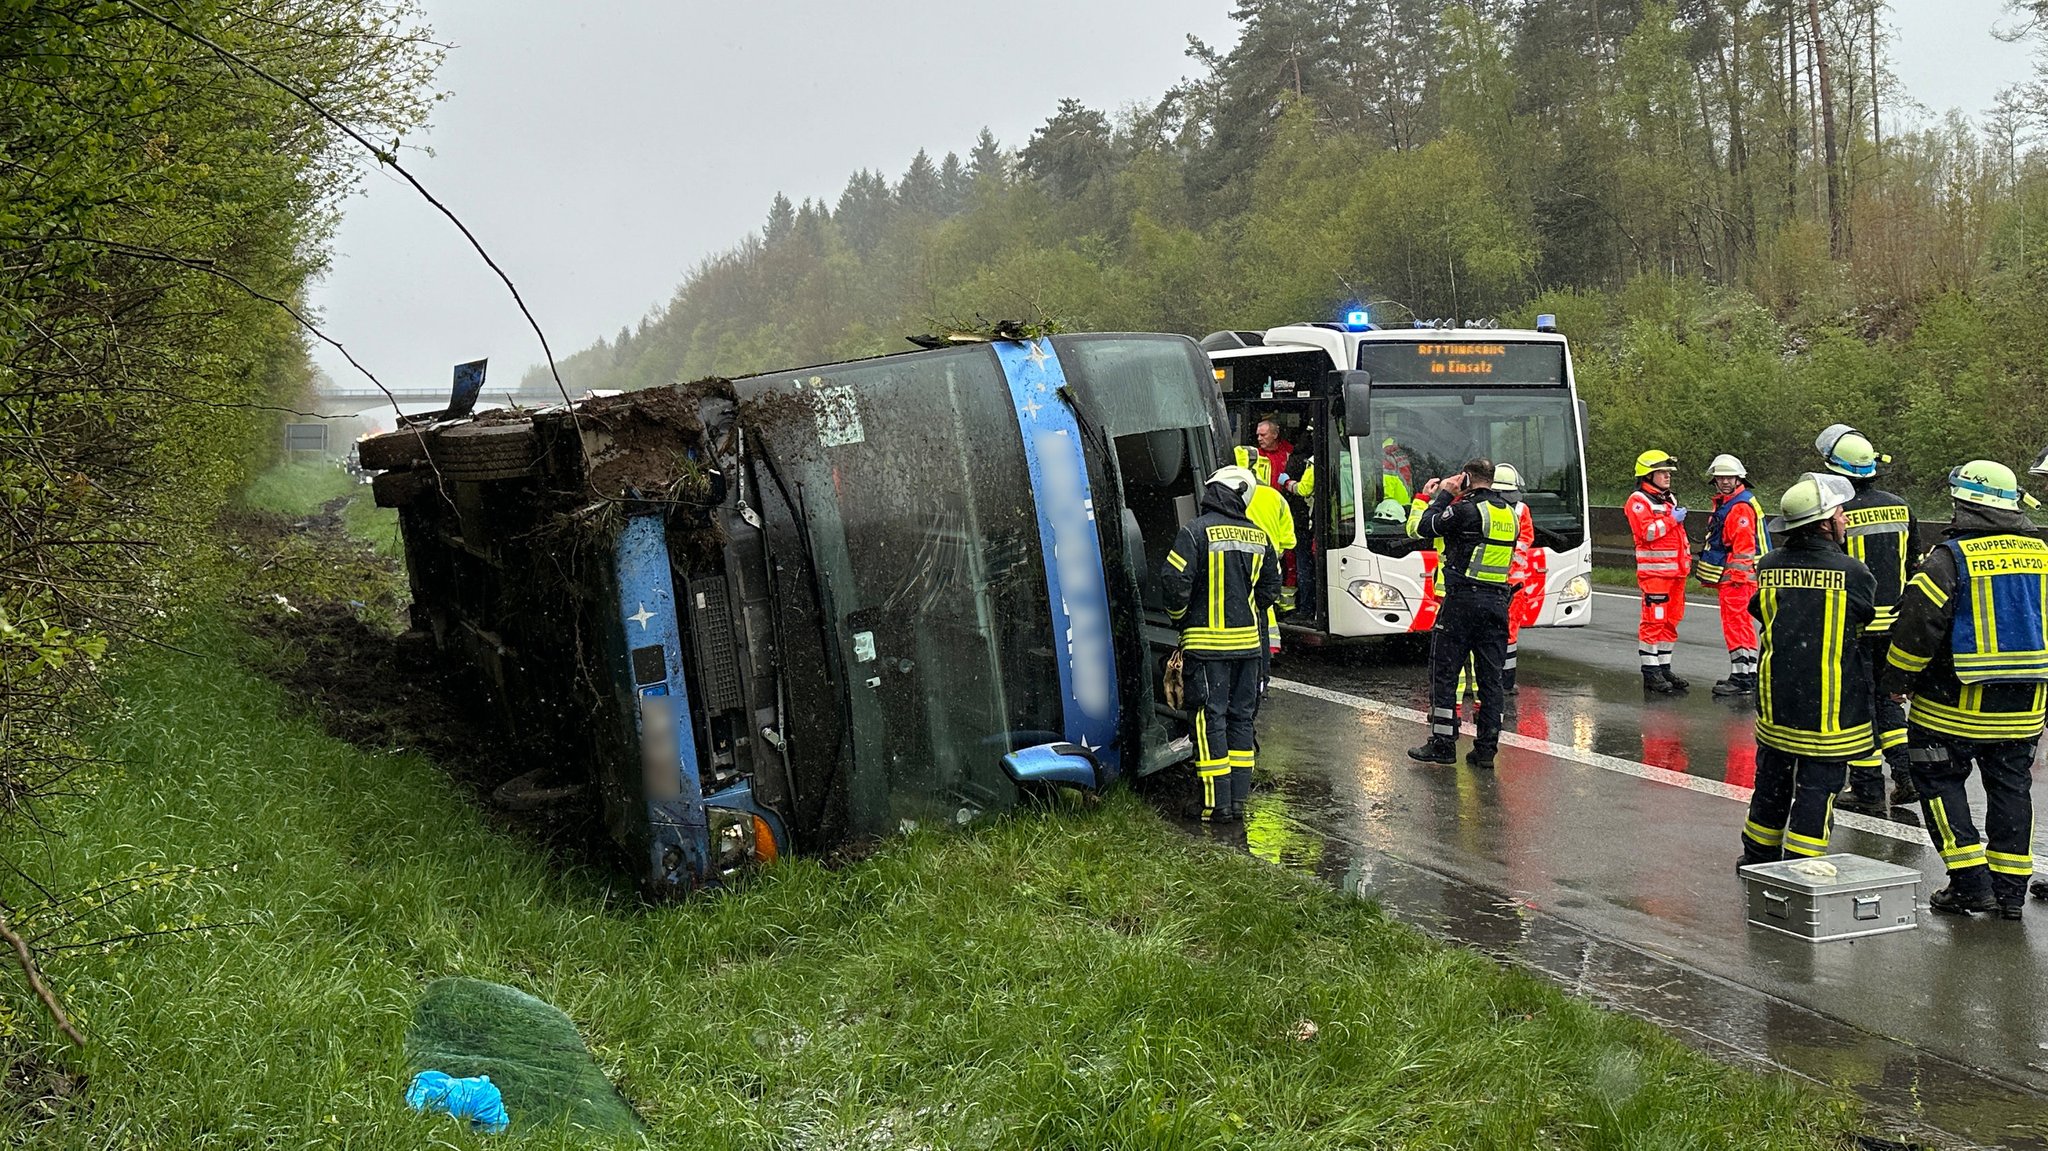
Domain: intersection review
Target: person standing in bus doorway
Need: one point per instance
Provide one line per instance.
(1655, 519)
(1478, 528)
(1267, 460)
(1735, 541)
(1231, 562)
(1881, 535)
(1525, 574)
(1970, 649)
(1813, 707)
(1269, 455)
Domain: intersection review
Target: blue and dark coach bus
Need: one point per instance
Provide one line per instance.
(810, 607)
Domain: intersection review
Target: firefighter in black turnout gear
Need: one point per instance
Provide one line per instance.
(1813, 694)
(1478, 528)
(1219, 580)
(1971, 650)
(1881, 535)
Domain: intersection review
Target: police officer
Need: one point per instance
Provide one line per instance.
(1735, 538)
(1662, 558)
(1220, 578)
(1814, 699)
(1971, 649)
(1881, 535)
(1478, 529)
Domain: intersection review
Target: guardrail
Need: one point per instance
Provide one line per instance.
(1613, 547)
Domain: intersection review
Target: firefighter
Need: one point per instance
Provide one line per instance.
(1231, 562)
(1970, 649)
(1881, 535)
(1478, 529)
(1523, 583)
(1735, 539)
(1813, 705)
(1655, 519)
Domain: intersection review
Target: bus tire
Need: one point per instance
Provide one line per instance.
(397, 489)
(397, 449)
(484, 451)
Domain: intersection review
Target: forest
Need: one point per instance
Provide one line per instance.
(1746, 225)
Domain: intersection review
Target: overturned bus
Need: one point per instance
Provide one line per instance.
(780, 613)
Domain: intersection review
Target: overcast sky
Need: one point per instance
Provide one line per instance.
(599, 148)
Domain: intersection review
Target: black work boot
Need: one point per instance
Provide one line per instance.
(1862, 802)
(1435, 751)
(1658, 683)
(2011, 893)
(1674, 679)
(1951, 900)
(1904, 794)
(1737, 684)
(1480, 757)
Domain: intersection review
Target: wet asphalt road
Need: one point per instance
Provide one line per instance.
(1602, 852)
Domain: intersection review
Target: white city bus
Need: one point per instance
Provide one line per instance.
(1382, 411)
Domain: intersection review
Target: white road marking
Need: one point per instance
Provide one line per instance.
(1614, 763)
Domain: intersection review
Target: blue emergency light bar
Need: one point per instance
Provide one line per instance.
(1358, 320)
(1546, 323)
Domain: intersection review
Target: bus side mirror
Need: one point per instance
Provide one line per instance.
(1356, 388)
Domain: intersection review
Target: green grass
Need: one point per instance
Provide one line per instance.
(299, 487)
(303, 487)
(1089, 979)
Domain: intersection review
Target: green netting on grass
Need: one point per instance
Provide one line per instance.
(528, 1047)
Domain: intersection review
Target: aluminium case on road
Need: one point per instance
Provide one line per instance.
(1864, 897)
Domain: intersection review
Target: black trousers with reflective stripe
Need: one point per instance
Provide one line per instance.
(1473, 622)
(1792, 806)
(1866, 775)
(1222, 698)
(2004, 850)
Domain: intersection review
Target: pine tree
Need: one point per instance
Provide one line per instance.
(953, 183)
(986, 161)
(919, 191)
(781, 219)
(1070, 151)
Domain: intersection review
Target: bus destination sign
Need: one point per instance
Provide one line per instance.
(1462, 362)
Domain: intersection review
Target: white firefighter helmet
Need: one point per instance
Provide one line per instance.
(1848, 452)
(1506, 478)
(1727, 465)
(1987, 483)
(1812, 498)
(1237, 478)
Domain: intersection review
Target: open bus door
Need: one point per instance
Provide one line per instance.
(1280, 387)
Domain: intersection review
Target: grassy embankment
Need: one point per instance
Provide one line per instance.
(1091, 979)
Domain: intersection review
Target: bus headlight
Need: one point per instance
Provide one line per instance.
(1577, 588)
(1377, 596)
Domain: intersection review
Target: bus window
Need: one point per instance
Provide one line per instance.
(1431, 432)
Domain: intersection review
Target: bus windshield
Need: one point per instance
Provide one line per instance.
(1426, 432)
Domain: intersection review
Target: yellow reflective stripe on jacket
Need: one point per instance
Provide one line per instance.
(1845, 744)
(1967, 723)
(1179, 561)
(1925, 583)
(1906, 661)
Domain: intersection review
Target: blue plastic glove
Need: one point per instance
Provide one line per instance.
(476, 1099)
(1678, 514)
